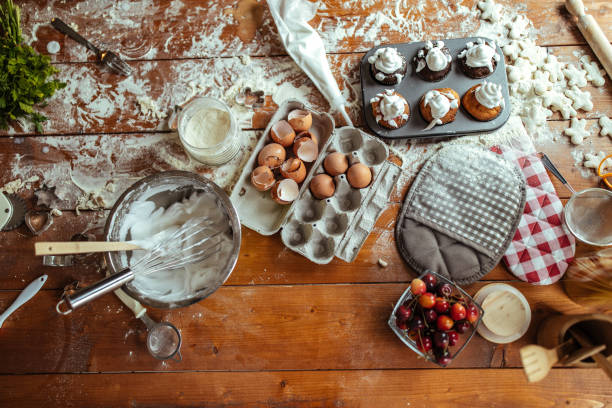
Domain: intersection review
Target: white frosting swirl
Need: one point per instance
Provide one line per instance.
(489, 95)
(437, 60)
(480, 54)
(391, 106)
(440, 104)
(386, 60)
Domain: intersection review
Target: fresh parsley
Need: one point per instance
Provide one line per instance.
(25, 75)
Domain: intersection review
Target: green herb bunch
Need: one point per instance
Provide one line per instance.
(24, 73)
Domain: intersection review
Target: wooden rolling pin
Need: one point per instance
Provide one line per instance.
(592, 34)
(81, 247)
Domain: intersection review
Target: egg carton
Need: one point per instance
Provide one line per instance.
(321, 229)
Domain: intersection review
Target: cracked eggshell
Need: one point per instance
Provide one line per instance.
(359, 175)
(282, 133)
(306, 149)
(300, 120)
(285, 191)
(262, 178)
(272, 155)
(293, 169)
(322, 186)
(335, 164)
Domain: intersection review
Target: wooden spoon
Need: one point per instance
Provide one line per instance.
(581, 354)
(601, 360)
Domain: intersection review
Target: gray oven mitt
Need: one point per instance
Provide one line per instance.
(461, 213)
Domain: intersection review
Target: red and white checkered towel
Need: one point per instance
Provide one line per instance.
(542, 247)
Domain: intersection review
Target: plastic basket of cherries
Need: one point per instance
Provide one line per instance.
(435, 318)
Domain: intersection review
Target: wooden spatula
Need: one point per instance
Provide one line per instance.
(538, 360)
(582, 354)
(81, 247)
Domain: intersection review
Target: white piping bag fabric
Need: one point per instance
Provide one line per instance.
(306, 48)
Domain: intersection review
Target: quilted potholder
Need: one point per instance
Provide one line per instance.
(461, 213)
(541, 248)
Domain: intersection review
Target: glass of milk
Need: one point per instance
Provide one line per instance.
(208, 131)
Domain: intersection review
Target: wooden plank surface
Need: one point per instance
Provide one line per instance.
(187, 29)
(572, 388)
(282, 331)
(278, 327)
(98, 101)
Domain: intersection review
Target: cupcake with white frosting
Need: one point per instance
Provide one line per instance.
(388, 66)
(390, 109)
(479, 59)
(484, 101)
(439, 106)
(433, 62)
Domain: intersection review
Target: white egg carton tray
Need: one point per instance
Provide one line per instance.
(321, 229)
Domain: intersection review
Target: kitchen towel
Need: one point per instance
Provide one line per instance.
(542, 247)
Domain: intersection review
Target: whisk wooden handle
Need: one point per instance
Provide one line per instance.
(81, 247)
(592, 34)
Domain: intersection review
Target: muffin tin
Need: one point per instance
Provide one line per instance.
(321, 229)
(412, 88)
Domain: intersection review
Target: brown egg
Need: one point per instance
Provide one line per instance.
(322, 186)
(335, 164)
(300, 120)
(272, 155)
(262, 178)
(306, 149)
(359, 175)
(293, 169)
(282, 133)
(285, 191)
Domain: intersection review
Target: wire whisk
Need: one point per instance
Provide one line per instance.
(195, 241)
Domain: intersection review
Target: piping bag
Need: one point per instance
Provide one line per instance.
(306, 48)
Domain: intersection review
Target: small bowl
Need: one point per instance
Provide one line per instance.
(217, 154)
(464, 338)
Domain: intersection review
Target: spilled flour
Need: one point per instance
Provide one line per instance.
(540, 83)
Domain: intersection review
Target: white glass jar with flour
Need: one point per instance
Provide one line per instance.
(208, 131)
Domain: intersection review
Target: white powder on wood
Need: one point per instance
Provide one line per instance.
(207, 128)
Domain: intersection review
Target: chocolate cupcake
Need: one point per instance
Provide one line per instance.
(484, 101)
(433, 62)
(390, 109)
(479, 59)
(388, 66)
(439, 106)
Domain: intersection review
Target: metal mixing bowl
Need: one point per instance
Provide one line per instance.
(165, 189)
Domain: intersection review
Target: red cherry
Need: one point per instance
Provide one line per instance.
(424, 344)
(444, 322)
(453, 338)
(472, 314)
(444, 290)
(418, 287)
(430, 315)
(462, 326)
(441, 305)
(430, 281)
(427, 300)
(401, 324)
(444, 360)
(403, 313)
(458, 311)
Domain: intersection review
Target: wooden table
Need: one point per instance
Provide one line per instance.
(282, 331)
